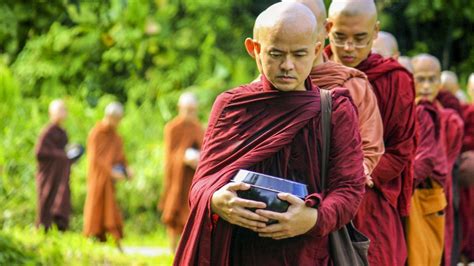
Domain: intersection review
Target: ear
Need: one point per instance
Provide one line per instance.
(328, 25)
(318, 48)
(376, 30)
(252, 47)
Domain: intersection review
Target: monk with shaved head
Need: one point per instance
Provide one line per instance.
(182, 140)
(439, 155)
(329, 75)
(106, 165)
(405, 61)
(352, 27)
(272, 127)
(467, 174)
(52, 177)
(386, 45)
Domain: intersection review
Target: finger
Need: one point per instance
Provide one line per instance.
(250, 224)
(234, 186)
(271, 215)
(249, 203)
(269, 230)
(292, 199)
(244, 213)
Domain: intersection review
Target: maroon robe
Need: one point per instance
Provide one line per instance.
(259, 128)
(430, 159)
(448, 100)
(52, 179)
(379, 214)
(467, 193)
(453, 131)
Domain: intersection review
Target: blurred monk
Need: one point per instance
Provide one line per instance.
(272, 127)
(386, 45)
(467, 177)
(329, 75)
(450, 83)
(52, 177)
(182, 138)
(423, 250)
(107, 164)
(352, 27)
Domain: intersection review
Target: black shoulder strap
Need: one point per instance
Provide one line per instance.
(325, 127)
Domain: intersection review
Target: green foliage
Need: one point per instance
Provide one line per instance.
(442, 28)
(143, 53)
(32, 247)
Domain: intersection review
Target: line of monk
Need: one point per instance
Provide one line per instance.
(401, 152)
(406, 184)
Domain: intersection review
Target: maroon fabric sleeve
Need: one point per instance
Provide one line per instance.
(425, 155)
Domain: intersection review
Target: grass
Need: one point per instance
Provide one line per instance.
(29, 246)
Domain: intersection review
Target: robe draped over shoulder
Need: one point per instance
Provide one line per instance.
(329, 75)
(256, 127)
(379, 214)
(52, 178)
(101, 211)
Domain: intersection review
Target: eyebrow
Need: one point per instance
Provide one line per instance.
(302, 50)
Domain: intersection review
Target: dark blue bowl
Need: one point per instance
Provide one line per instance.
(265, 188)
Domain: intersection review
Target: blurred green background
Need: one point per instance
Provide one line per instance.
(144, 53)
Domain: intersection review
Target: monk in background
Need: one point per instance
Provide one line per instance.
(405, 61)
(450, 130)
(386, 45)
(272, 127)
(450, 83)
(52, 177)
(106, 165)
(466, 173)
(352, 27)
(329, 75)
(182, 139)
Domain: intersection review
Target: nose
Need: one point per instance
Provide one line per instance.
(287, 64)
(348, 46)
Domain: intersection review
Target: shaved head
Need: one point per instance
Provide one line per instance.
(449, 81)
(114, 109)
(284, 16)
(424, 62)
(352, 26)
(187, 99)
(285, 44)
(317, 7)
(405, 61)
(427, 74)
(386, 45)
(57, 111)
(353, 8)
(470, 86)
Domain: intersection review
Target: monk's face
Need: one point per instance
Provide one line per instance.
(351, 38)
(59, 114)
(114, 120)
(188, 111)
(427, 80)
(285, 57)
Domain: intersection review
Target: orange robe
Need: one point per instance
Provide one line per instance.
(101, 211)
(180, 134)
(330, 75)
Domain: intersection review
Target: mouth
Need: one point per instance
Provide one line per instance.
(348, 58)
(285, 78)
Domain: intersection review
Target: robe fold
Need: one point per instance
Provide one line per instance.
(179, 135)
(101, 211)
(425, 227)
(52, 178)
(329, 75)
(453, 130)
(379, 214)
(258, 128)
(467, 193)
